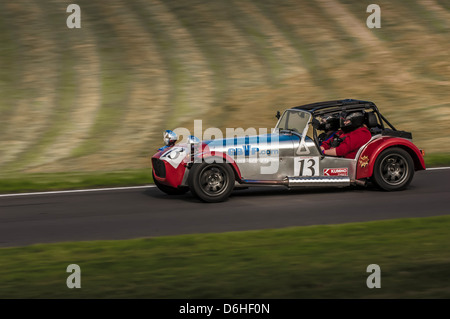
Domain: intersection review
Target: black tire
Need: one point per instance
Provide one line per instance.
(393, 169)
(211, 182)
(170, 190)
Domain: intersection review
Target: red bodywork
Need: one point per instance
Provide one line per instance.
(174, 176)
(374, 148)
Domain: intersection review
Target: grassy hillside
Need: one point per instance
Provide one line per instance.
(98, 98)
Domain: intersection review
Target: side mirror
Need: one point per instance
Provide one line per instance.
(278, 115)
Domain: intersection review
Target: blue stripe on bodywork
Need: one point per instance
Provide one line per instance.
(256, 139)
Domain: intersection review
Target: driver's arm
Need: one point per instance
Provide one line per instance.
(325, 145)
(330, 152)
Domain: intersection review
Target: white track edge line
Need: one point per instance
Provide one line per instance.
(77, 191)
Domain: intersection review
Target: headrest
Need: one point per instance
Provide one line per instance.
(371, 120)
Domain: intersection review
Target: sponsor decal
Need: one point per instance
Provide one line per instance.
(335, 171)
(174, 156)
(249, 150)
(364, 161)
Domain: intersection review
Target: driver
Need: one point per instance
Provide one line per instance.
(329, 124)
(352, 135)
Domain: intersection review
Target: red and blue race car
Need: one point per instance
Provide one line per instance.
(290, 156)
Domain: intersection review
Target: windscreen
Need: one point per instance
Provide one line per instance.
(294, 120)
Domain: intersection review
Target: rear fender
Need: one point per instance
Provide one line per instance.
(367, 158)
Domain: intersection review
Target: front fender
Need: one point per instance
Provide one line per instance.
(210, 155)
(367, 158)
(168, 172)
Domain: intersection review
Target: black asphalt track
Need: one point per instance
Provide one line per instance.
(134, 213)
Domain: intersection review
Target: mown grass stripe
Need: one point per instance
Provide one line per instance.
(242, 67)
(430, 19)
(354, 49)
(213, 54)
(258, 68)
(147, 102)
(116, 82)
(394, 76)
(257, 44)
(67, 93)
(445, 4)
(301, 44)
(59, 119)
(80, 45)
(77, 101)
(37, 79)
(176, 74)
(10, 69)
(198, 87)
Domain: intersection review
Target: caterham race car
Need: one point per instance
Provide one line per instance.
(290, 156)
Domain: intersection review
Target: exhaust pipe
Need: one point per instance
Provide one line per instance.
(303, 181)
(319, 181)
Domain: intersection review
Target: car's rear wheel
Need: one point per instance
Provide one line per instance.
(393, 169)
(211, 182)
(170, 190)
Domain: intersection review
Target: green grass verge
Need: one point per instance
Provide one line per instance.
(436, 160)
(300, 262)
(73, 180)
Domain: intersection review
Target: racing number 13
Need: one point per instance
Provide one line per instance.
(306, 166)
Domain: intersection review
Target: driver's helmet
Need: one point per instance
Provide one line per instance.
(329, 122)
(356, 120)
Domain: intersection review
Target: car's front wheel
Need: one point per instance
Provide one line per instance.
(211, 182)
(393, 169)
